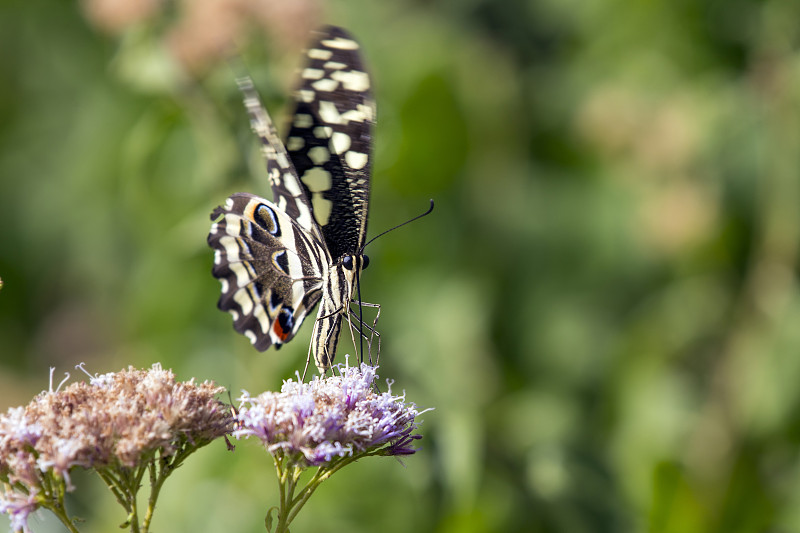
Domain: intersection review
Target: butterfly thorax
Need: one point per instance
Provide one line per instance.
(337, 292)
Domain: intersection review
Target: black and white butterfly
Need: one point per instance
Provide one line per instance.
(277, 259)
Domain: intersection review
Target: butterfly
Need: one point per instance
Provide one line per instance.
(276, 260)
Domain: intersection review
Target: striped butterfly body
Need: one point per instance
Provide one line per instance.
(277, 259)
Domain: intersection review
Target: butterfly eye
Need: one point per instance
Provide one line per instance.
(347, 261)
(365, 262)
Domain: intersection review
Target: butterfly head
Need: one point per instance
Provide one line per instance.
(349, 267)
(351, 262)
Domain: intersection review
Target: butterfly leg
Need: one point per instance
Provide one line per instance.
(352, 335)
(310, 346)
(373, 332)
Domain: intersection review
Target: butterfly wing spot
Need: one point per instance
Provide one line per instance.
(283, 161)
(356, 115)
(317, 180)
(340, 43)
(317, 53)
(325, 85)
(356, 160)
(334, 65)
(230, 246)
(242, 297)
(302, 120)
(312, 73)
(242, 272)
(322, 208)
(281, 261)
(250, 335)
(340, 143)
(284, 324)
(295, 143)
(319, 155)
(323, 132)
(266, 218)
(231, 224)
(328, 112)
(293, 187)
(263, 318)
(352, 80)
(366, 111)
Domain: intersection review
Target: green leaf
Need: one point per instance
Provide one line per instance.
(268, 518)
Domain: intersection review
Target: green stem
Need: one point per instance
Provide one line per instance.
(54, 489)
(281, 488)
(61, 513)
(114, 485)
(288, 483)
(131, 489)
(321, 475)
(288, 476)
(157, 478)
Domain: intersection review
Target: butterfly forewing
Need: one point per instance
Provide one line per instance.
(330, 139)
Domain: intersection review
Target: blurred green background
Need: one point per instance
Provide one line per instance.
(603, 308)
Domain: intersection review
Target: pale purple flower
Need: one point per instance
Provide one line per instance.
(17, 507)
(329, 418)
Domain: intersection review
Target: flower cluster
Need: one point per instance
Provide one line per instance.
(116, 421)
(202, 33)
(341, 416)
(138, 425)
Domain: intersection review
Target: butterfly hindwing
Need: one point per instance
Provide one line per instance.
(270, 268)
(330, 138)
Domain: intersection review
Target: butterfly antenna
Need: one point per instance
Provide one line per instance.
(358, 280)
(426, 213)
